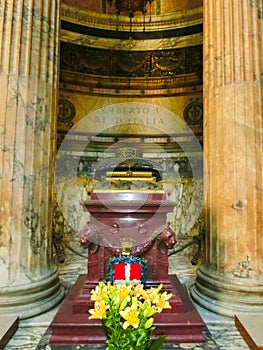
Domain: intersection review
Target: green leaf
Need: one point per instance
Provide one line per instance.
(133, 337)
(157, 344)
(142, 332)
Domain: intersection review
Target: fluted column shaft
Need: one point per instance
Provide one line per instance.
(231, 278)
(28, 80)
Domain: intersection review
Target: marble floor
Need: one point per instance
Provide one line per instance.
(221, 333)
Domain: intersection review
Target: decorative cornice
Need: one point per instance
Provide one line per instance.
(174, 20)
(155, 86)
(131, 44)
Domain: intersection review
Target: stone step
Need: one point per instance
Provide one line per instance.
(68, 327)
(250, 327)
(8, 326)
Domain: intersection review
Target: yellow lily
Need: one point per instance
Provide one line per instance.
(148, 310)
(130, 315)
(153, 295)
(123, 292)
(163, 301)
(99, 310)
(139, 291)
(99, 293)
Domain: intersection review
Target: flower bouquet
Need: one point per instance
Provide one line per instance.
(126, 311)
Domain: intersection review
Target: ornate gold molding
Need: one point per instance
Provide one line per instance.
(130, 44)
(155, 86)
(174, 20)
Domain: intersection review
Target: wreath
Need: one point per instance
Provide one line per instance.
(125, 269)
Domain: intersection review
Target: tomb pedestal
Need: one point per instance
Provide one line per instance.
(136, 217)
(141, 219)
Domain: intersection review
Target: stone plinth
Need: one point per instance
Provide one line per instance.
(142, 218)
(75, 328)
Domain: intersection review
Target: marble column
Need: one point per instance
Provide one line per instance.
(29, 282)
(231, 278)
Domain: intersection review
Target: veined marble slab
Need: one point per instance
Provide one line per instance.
(8, 326)
(250, 327)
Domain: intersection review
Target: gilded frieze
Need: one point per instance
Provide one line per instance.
(131, 64)
(148, 72)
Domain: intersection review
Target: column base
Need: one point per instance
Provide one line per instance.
(32, 299)
(224, 296)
